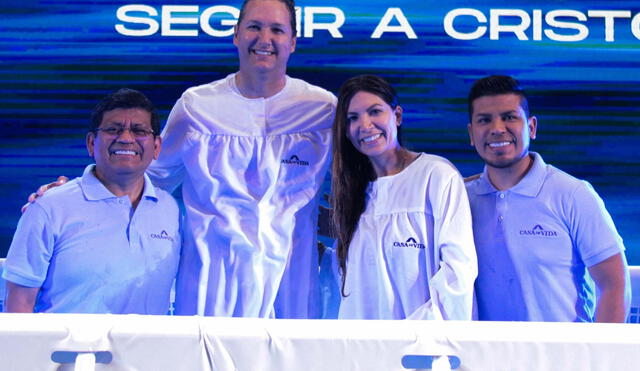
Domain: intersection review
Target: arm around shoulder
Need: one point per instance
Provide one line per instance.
(41, 191)
(167, 171)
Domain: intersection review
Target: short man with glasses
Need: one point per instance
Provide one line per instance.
(108, 241)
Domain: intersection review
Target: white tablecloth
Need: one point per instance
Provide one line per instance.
(134, 342)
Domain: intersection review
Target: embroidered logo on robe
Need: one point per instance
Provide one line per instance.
(537, 230)
(162, 236)
(295, 160)
(411, 242)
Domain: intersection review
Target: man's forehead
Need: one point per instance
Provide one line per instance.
(270, 22)
(502, 103)
(279, 14)
(500, 112)
(132, 116)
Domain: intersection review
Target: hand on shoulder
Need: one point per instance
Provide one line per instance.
(471, 178)
(41, 191)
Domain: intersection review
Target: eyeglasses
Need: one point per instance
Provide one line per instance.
(116, 131)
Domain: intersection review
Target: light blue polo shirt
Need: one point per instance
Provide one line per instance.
(534, 243)
(90, 252)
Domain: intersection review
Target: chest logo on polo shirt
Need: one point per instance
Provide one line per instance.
(295, 160)
(538, 231)
(162, 236)
(411, 242)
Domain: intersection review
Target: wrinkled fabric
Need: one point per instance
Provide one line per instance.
(251, 171)
(412, 255)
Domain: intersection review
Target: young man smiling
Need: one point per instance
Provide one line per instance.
(542, 236)
(109, 241)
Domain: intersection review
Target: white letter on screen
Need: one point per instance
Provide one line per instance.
(518, 29)
(550, 18)
(635, 26)
(609, 20)
(451, 16)
(384, 26)
(537, 24)
(298, 21)
(124, 17)
(333, 27)
(168, 20)
(206, 16)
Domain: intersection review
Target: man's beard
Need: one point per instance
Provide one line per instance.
(507, 162)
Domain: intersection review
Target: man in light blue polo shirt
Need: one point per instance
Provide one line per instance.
(106, 242)
(543, 237)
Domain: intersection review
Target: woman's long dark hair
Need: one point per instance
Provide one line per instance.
(351, 170)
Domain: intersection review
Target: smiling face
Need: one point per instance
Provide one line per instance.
(125, 155)
(500, 130)
(373, 125)
(264, 37)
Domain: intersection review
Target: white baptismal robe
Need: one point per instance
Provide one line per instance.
(251, 171)
(412, 255)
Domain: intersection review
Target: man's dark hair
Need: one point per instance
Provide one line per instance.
(124, 98)
(496, 85)
(289, 4)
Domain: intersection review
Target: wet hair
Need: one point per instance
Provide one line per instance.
(351, 170)
(496, 85)
(124, 98)
(289, 4)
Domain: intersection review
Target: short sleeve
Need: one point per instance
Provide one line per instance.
(28, 259)
(592, 227)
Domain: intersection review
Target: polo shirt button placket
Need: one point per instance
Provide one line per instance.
(501, 201)
(134, 236)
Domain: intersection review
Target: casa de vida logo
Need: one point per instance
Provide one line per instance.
(537, 230)
(295, 160)
(162, 236)
(411, 242)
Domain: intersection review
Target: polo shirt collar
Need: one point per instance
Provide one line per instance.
(94, 190)
(529, 186)
(532, 182)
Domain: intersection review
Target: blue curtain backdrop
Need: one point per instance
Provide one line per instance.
(580, 66)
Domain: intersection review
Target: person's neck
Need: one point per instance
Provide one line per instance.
(131, 186)
(392, 163)
(259, 85)
(507, 177)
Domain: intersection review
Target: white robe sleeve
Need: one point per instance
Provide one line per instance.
(167, 172)
(451, 285)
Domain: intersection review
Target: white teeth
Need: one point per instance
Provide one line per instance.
(124, 152)
(499, 144)
(262, 52)
(371, 138)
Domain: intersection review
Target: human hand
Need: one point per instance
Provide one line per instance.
(43, 188)
(471, 178)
